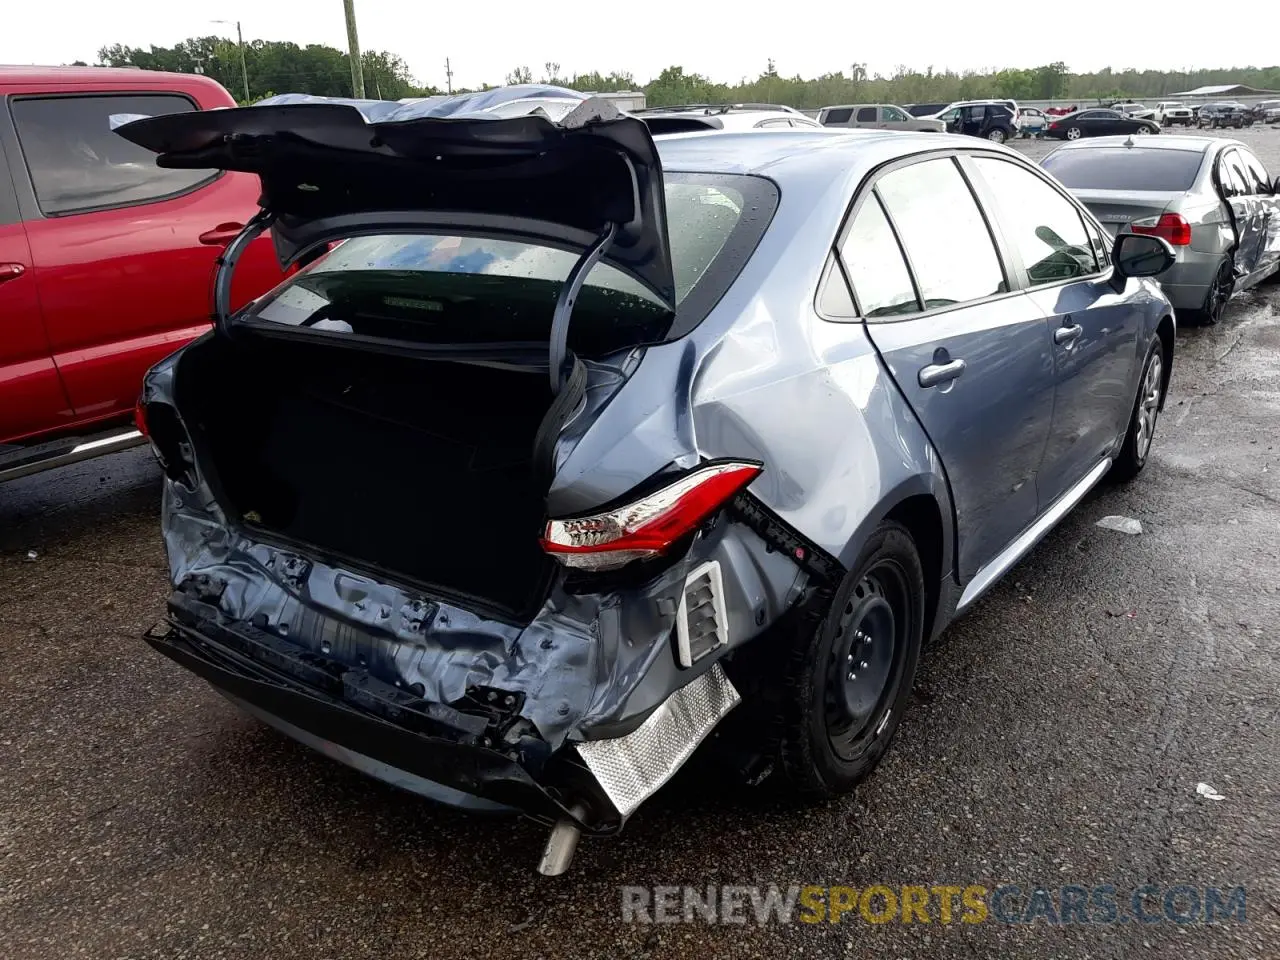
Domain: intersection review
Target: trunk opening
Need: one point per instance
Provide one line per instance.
(422, 468)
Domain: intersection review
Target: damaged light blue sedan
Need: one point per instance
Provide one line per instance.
(566, 440)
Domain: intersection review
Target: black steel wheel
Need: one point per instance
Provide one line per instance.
(848, 680)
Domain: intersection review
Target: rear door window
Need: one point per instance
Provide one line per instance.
(867, 115)
(947, 241)
(78, 163)
(1259, 181)
(1040, 223)
(1129, 168)
(874, 263)
(1231, 175)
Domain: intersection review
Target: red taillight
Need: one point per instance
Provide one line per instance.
(140, 418)
(1172, 227)
(650, 525)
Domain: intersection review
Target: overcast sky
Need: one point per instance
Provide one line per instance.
(487, 38)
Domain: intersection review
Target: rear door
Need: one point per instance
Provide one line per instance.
(124, 251)
(1060, 259)
(31, 396)
(1262, 189)
(1248, 211)
(866, 117)
(974, 360)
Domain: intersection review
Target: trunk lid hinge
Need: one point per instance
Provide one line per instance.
(565, 303)
(226, 265)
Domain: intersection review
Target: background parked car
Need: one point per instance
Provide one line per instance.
(687, 119)
(1031, 122)
(988, 119)
(1216, 115)
(1098, 122)
(883, 116)
(926, 109)
(1210, 198)
(1132, 109)
(1268, 111)
(1170, 112)
(106, 260)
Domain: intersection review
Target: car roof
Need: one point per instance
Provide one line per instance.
(1165, 142)
(780, 154)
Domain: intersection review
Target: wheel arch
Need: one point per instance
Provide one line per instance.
(922, 504)
(1165, 332)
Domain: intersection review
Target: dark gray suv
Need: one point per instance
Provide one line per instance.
(576, 441)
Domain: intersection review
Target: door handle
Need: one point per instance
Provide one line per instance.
(939, 373)
(221, 235)
(11, 271)
(1066, 334)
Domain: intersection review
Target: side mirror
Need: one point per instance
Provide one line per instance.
(1139, 255)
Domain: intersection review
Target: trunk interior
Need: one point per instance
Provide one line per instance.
(419, 468)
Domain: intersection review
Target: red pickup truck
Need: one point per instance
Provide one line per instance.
(106, 260)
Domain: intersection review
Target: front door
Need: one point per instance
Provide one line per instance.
(892, 118)
(1094, 330)
(974, 362)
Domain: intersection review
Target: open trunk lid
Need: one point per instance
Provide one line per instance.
(331, 170)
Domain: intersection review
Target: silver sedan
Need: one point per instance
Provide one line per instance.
(1209, 197)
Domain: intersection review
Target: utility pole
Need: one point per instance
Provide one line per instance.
(244, 70)
(448, 75)
(353, 50)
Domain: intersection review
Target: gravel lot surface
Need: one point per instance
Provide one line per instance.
(1057, 737)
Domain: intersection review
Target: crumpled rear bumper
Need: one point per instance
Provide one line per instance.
(259, 675)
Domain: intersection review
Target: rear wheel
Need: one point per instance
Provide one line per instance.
(1216, 297)
(998, 135)
(1074, 133)
(847, 682)
(1142, 423)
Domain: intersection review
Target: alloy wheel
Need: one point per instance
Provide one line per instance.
(1149, 405)
(1219, 293)
(866, 659)
(1143, 131)
(1073, 133)
(997, 135)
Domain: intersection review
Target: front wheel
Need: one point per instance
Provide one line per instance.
(1074, 133)
(846, 683)
(1143, 131)
(1142, 424)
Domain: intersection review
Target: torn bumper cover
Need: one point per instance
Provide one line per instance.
(432, 749)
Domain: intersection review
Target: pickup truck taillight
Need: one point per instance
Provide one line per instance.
(648, 526)
(1172, 227)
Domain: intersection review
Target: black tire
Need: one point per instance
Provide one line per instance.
(1142, 420)
(832, 730)
(1077, 131)
(1216, 297)
(997, 135)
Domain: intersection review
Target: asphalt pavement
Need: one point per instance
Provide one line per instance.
(1057, 737)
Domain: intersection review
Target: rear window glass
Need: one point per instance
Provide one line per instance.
(454, 289)
(1125, 169)
(77, 162)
